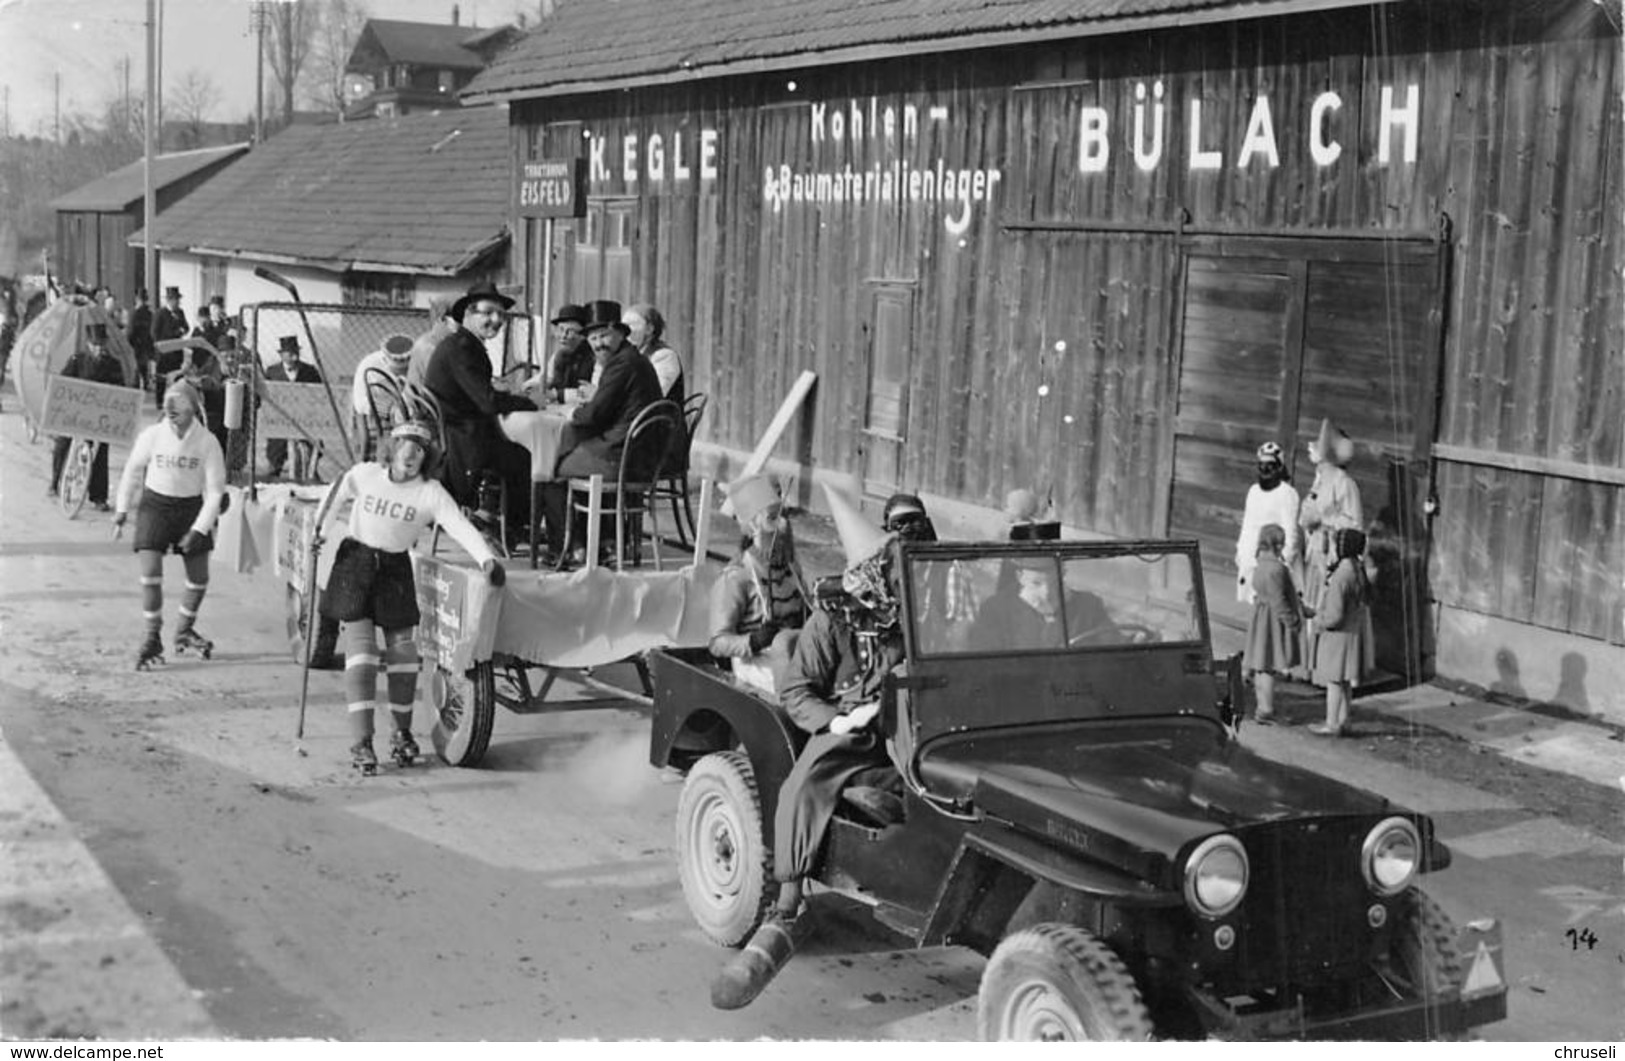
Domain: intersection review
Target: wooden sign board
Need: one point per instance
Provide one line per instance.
(101, 411)
(297, 410)
(550, 187)
(459, 612)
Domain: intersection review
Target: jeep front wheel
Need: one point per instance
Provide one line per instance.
(1058, 983)
(1425, 947)
(721, 857)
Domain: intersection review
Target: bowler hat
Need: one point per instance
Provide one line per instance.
(604, 313)
(570, 312)
(218, 300)
(288, 344)
(484, 291)
(172, 292)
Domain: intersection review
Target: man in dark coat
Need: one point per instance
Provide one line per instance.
(215, 324)
(139, 333)
(593, 442)
(459, 376)
(832, 691)
(98, 364)
(572, 362)
(168, 323)
(289, 370)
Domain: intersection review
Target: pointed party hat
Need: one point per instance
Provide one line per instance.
(860, 539)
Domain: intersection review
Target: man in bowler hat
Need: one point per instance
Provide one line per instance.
(289, 370)
(459, 375)
(572, 362)
(593, 442)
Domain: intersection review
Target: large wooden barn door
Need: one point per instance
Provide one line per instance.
(1277, 334)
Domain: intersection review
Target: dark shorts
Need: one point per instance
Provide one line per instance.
(367, 583)
(161, 521)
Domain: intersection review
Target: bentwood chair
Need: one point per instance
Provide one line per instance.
(630, 495)
(421, 404)
(673, 483)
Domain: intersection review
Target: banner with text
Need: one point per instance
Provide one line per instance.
(99, 411)
(460, 611)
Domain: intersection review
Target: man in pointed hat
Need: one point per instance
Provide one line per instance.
(1332, 504)
(760, 602)
(833, 692)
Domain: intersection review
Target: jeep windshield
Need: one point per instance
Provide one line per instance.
(1058, 597)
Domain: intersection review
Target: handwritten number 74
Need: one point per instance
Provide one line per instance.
(1577, 937)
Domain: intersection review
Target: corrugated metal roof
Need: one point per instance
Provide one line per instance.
(426, 43)
(422, 193)
(123, 188)
(590, 44)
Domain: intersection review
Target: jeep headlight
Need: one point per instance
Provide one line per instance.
(1390, 856)
(1216, 876)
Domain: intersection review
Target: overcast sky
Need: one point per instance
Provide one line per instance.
(87, 41)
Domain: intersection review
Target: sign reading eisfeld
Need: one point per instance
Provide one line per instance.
(551, 187)
(99, 411)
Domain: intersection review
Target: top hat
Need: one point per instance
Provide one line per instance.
(172, 292)
(860, 539)
(604, 313)
(398, 346)
(288, 344)
(484, 291)
(751, 496)
(218, 300)
(96, 332)
(570, 312)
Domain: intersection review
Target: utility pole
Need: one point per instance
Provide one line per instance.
(56, 79)
(259, 72)
(149, 273)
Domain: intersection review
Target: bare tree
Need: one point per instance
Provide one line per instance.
(289, 34)
(193, 98)
(339, 28)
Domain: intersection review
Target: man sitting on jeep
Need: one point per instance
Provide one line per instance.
(759, 604)
(832, 691)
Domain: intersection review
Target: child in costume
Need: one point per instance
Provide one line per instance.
(1275, 634)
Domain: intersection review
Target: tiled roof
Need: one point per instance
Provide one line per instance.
(591, 44)
(123, 188)
(426, 43)
(421, 193)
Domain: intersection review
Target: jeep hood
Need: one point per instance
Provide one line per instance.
(1134, 795)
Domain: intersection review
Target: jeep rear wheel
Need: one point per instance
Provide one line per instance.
(1058, 983)
(721, 857)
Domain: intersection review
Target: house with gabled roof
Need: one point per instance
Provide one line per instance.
(399, 67)
(94, 221)
(1104, 249)
(388, 213)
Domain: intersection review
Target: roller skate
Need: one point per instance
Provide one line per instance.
(402, 748)
(190, 640)
(150, 653)
(363, 758)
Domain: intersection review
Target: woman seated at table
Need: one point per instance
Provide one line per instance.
(759, 604)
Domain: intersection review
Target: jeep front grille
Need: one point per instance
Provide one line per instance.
(1304, 917)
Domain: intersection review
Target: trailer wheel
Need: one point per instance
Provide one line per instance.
(722, 859)
(1058, 983)
(74, 485)
(464, 710)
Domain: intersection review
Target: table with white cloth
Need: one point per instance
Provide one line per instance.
(542, 432)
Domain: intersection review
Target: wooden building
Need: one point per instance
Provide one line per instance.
(95, 220)
(1104, 249)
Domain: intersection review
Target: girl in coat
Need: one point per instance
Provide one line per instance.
(1344, 604)
(371, 585)
(182, 476)
(1275, 634)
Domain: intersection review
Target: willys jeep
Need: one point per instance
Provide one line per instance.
(1078, 807)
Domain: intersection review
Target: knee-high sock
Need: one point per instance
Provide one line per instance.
(401, 658)
(360, 675)
(152, 591)
(197, 583)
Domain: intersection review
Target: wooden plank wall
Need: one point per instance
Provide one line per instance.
(1518, 136)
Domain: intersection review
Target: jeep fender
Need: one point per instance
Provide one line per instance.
(994, 870)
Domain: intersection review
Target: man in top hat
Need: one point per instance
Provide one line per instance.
(168, 323)
(215, 323)
(459, 376)
(97, 363)
(139, 333)
(441, 325)
(288, 369)
(593, 442)
(833, 692)
(372, 401)
(572, 362)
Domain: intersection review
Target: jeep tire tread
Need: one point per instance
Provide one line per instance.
(722, 859)
(1425, 946)
(1059, 982)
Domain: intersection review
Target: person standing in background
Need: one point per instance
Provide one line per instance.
(1269, 500)
(1332, 504)
(168, 323)
(441, 324)
(139, 333)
